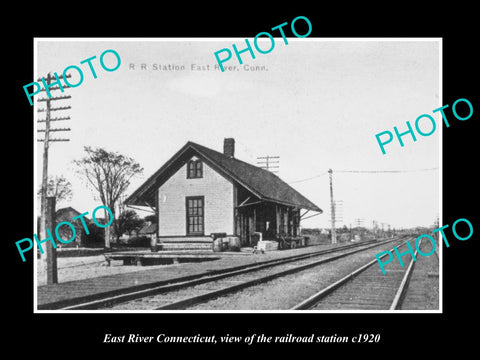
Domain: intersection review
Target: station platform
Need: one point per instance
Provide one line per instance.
(50, 297)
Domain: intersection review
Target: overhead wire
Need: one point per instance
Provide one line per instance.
(310, 178)
(364, 172)
(384, 171)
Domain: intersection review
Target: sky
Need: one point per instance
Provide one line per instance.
(317, 104)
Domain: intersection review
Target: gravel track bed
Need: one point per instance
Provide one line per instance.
(152, 302)
(86, 267)
(423, 291)
(285, 292)
(369, 290)
(280, 293)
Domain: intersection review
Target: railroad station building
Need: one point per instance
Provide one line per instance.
(199, 192)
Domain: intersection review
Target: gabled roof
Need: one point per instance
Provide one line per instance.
(67, 209)
(262, 183)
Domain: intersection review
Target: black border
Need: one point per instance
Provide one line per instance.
(82, 334)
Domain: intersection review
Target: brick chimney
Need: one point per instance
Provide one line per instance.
(229, 147)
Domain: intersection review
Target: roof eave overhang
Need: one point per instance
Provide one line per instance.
(299, 206)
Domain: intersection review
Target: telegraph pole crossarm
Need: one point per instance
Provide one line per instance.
(52, 140)
(267, 164)
(49, 78)
(55, 98)
(54, 109)
(55, 129)
(55, 119)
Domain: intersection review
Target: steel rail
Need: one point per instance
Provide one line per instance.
(315, 298)
(402, 289)
(95, 299)
(188, 281)
(182, 304)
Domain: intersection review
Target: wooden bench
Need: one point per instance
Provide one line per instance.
(127, 259)
(145, 258)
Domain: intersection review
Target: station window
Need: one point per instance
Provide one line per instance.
(195, 215)
(194, 169)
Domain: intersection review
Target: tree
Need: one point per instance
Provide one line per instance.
(152, 218)
(109, 173)
(58, 187)
(96, 236)
(127, 222)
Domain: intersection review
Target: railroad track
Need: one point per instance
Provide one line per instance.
(365, 288)
(188, 293)
(109, 299)
(423, 292)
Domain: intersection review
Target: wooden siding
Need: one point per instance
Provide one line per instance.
(217, 192)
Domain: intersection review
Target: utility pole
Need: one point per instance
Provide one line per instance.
(338, 204)
(332, 208)
(267, 163)
(49, 266)
(359, 222)
(50, 251)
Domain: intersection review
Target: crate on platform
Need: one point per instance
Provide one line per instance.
(233, 243)
(267, 245)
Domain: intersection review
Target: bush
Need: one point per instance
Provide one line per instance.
(96, 238)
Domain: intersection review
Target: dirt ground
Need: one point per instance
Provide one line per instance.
(77, 268)
(85, 267)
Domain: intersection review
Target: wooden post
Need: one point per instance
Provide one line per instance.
(332, 209)
(235, 211)
(289, 222)
(153, 240)
(44, 210)
(50, 251)
(43, 195)
(277, 221)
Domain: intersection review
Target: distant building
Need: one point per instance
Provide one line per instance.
(325, 232)
(65, 232)
(147, 229)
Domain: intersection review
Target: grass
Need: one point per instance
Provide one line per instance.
(81, 252)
